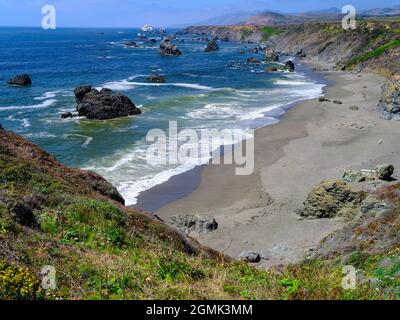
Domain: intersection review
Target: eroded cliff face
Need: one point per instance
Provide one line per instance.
(373, 46)
(228, 33)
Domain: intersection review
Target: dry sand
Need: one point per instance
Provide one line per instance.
(314, 141)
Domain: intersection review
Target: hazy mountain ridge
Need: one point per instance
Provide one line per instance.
(272, 17)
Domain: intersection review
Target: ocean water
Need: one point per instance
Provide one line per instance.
(203, 90)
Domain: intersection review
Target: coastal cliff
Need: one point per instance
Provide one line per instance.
(75, 221)
(373, 46)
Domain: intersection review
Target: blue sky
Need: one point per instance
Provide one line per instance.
(131, 13)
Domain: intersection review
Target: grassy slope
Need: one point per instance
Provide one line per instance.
(103, 250)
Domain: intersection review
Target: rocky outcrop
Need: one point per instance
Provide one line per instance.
(289, 65)
(212, 46)
(104, 187)
(253, 60)
(374, 231)
(382, 172)
(131, 44)
(271, 69)
(103, 104)
(67, 115)
(389, 105)
(250, 256)
(271, 55)
(301, 54)
(22, 214)
(20, 80)
(169, 49)
(156, 79)
(354, 176)
(331, 199)
(194, 224)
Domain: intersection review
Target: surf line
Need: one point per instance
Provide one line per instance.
(188, 146)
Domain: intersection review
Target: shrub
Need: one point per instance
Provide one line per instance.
(19, 283)
(376, 52)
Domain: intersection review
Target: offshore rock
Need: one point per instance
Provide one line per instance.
(103, 104)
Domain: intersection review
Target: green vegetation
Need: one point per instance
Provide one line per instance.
(247, 32)
(333, 30)
(376, 52)
(268, 32)
(19, 283)
(102, 250)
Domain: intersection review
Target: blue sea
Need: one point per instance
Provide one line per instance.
(203, 90)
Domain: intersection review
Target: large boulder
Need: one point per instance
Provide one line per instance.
(384, 172)
(271, 69)
(131, 44)
(301, 53)
(22, 214)
(103, 104)
(253, 60)
(20, 80)
(389, 105)
(354, 176)
(169, 49)
(156, 79)
(101, 185)
(289, 65)
(250, 256)
(271, 55)
(194, 224)
(212, 46)
(330, 199)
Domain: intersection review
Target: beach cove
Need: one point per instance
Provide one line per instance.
(314, 141)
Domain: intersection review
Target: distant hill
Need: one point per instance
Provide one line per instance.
(272, 18)
(228, 19)
(279, 18)
(223, 20)
(393, 11)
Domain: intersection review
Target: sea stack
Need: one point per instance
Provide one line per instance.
(156, 79)
(103, 104)
(20, 80)
(271, 55)
(212, 46)
(169, 49)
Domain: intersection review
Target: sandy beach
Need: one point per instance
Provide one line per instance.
(314, 141)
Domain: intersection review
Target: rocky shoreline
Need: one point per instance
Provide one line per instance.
(328, 44)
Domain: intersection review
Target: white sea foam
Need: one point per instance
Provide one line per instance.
(128, 84)
(214, 111)
(130, 172)
(42, 134)
(131, 188)
(53, 94)
(25, 123)
(88, 139)
(293, 83)
(44, 104)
